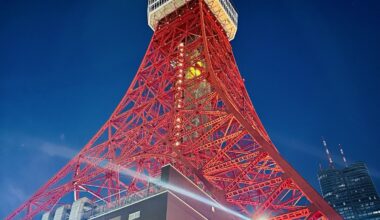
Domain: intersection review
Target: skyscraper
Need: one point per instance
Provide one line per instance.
(350, 190)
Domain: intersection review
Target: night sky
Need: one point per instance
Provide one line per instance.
(311, 67)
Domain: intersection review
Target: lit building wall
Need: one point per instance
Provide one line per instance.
(351, 192)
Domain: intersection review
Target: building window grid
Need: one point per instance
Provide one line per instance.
(355, 180)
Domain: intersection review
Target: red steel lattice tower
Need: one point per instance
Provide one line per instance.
(187, 106)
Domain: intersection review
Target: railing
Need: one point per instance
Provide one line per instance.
(101, 208)
(154, 4)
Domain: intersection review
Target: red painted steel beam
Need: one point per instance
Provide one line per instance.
(273, 196)
(302, 213)
(256, 186)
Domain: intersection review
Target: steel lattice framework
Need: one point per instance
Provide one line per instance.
(187, 106)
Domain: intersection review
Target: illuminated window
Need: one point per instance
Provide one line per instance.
(134, 215)
(194, 71)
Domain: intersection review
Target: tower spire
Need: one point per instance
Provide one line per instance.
(343, 156)
(331, 162)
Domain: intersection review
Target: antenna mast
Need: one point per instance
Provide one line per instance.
(343, 156)
(331, 162)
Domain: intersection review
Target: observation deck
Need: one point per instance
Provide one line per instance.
(223, 10)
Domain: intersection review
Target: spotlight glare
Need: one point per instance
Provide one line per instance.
(129, 172)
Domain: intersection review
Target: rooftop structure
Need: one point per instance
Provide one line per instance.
(223, 10)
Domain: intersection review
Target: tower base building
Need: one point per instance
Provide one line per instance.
(173, 197)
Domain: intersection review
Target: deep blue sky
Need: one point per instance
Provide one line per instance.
(312, 69)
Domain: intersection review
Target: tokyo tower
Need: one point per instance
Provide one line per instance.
(187, 106)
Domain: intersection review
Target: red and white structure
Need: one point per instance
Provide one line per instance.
(187, 106)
